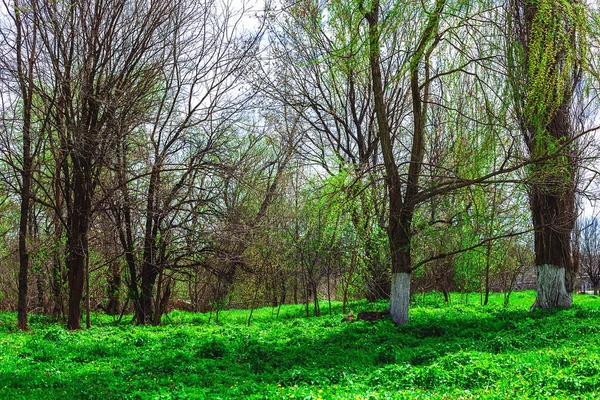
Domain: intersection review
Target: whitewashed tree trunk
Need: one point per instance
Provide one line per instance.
(400, 297)
(551, 288)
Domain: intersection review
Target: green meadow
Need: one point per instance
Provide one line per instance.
(447, 351)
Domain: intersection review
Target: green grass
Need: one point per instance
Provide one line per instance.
(455, 350)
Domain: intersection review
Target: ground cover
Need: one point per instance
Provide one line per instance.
(456, 350)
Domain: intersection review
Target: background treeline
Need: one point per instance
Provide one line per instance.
(197, 155)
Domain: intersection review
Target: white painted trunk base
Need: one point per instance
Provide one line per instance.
(400, 297)
(551, 288)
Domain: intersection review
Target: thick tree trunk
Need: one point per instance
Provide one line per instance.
(76, 276)
(551, 288)
(553, 218)
(399, 239)
(553, 212)
(77, 242)
(554, 280)
(149, 274)
(400, 297)
(401, 268)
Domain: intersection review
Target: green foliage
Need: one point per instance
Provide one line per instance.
(556, 42)
(445, 351)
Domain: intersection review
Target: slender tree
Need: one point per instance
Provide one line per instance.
(590, 251)
(402, 204)
(25, 46)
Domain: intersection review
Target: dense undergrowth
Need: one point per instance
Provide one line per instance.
(456, 350)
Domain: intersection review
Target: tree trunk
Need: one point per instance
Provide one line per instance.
(553, 213)
(26, 81)
(88, 299)
(23, 259)
(113, 287)
(77, 240)
(57, 285)
(295, 289)
(149, 269)
(553, 219)
(58, 274)
(399, 243)
(401, 270)
(551, 288)
(125, 227)
(446, 295)
(400, 297)
(160, 304)
(39, 283)
(149, 274)
(283, 292)
(487, 270)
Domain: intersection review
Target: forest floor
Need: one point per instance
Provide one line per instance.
(456, 350)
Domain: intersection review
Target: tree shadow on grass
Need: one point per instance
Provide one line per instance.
(308, 351)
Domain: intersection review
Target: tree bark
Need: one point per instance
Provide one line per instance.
(149, 269)
(553, 218)
(551, 288)
(552, 201)
(400, 297)
(77, 239)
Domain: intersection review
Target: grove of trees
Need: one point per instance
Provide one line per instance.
(205, 154)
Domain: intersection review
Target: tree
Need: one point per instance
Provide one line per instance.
(402, 205)
(318, 71)
(590, 251)
(21, 67)
(199, 101)
(546, 53)
(391, 105)
(104, 61)
(426, 176)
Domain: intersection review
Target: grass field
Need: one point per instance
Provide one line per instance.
(455, 350)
